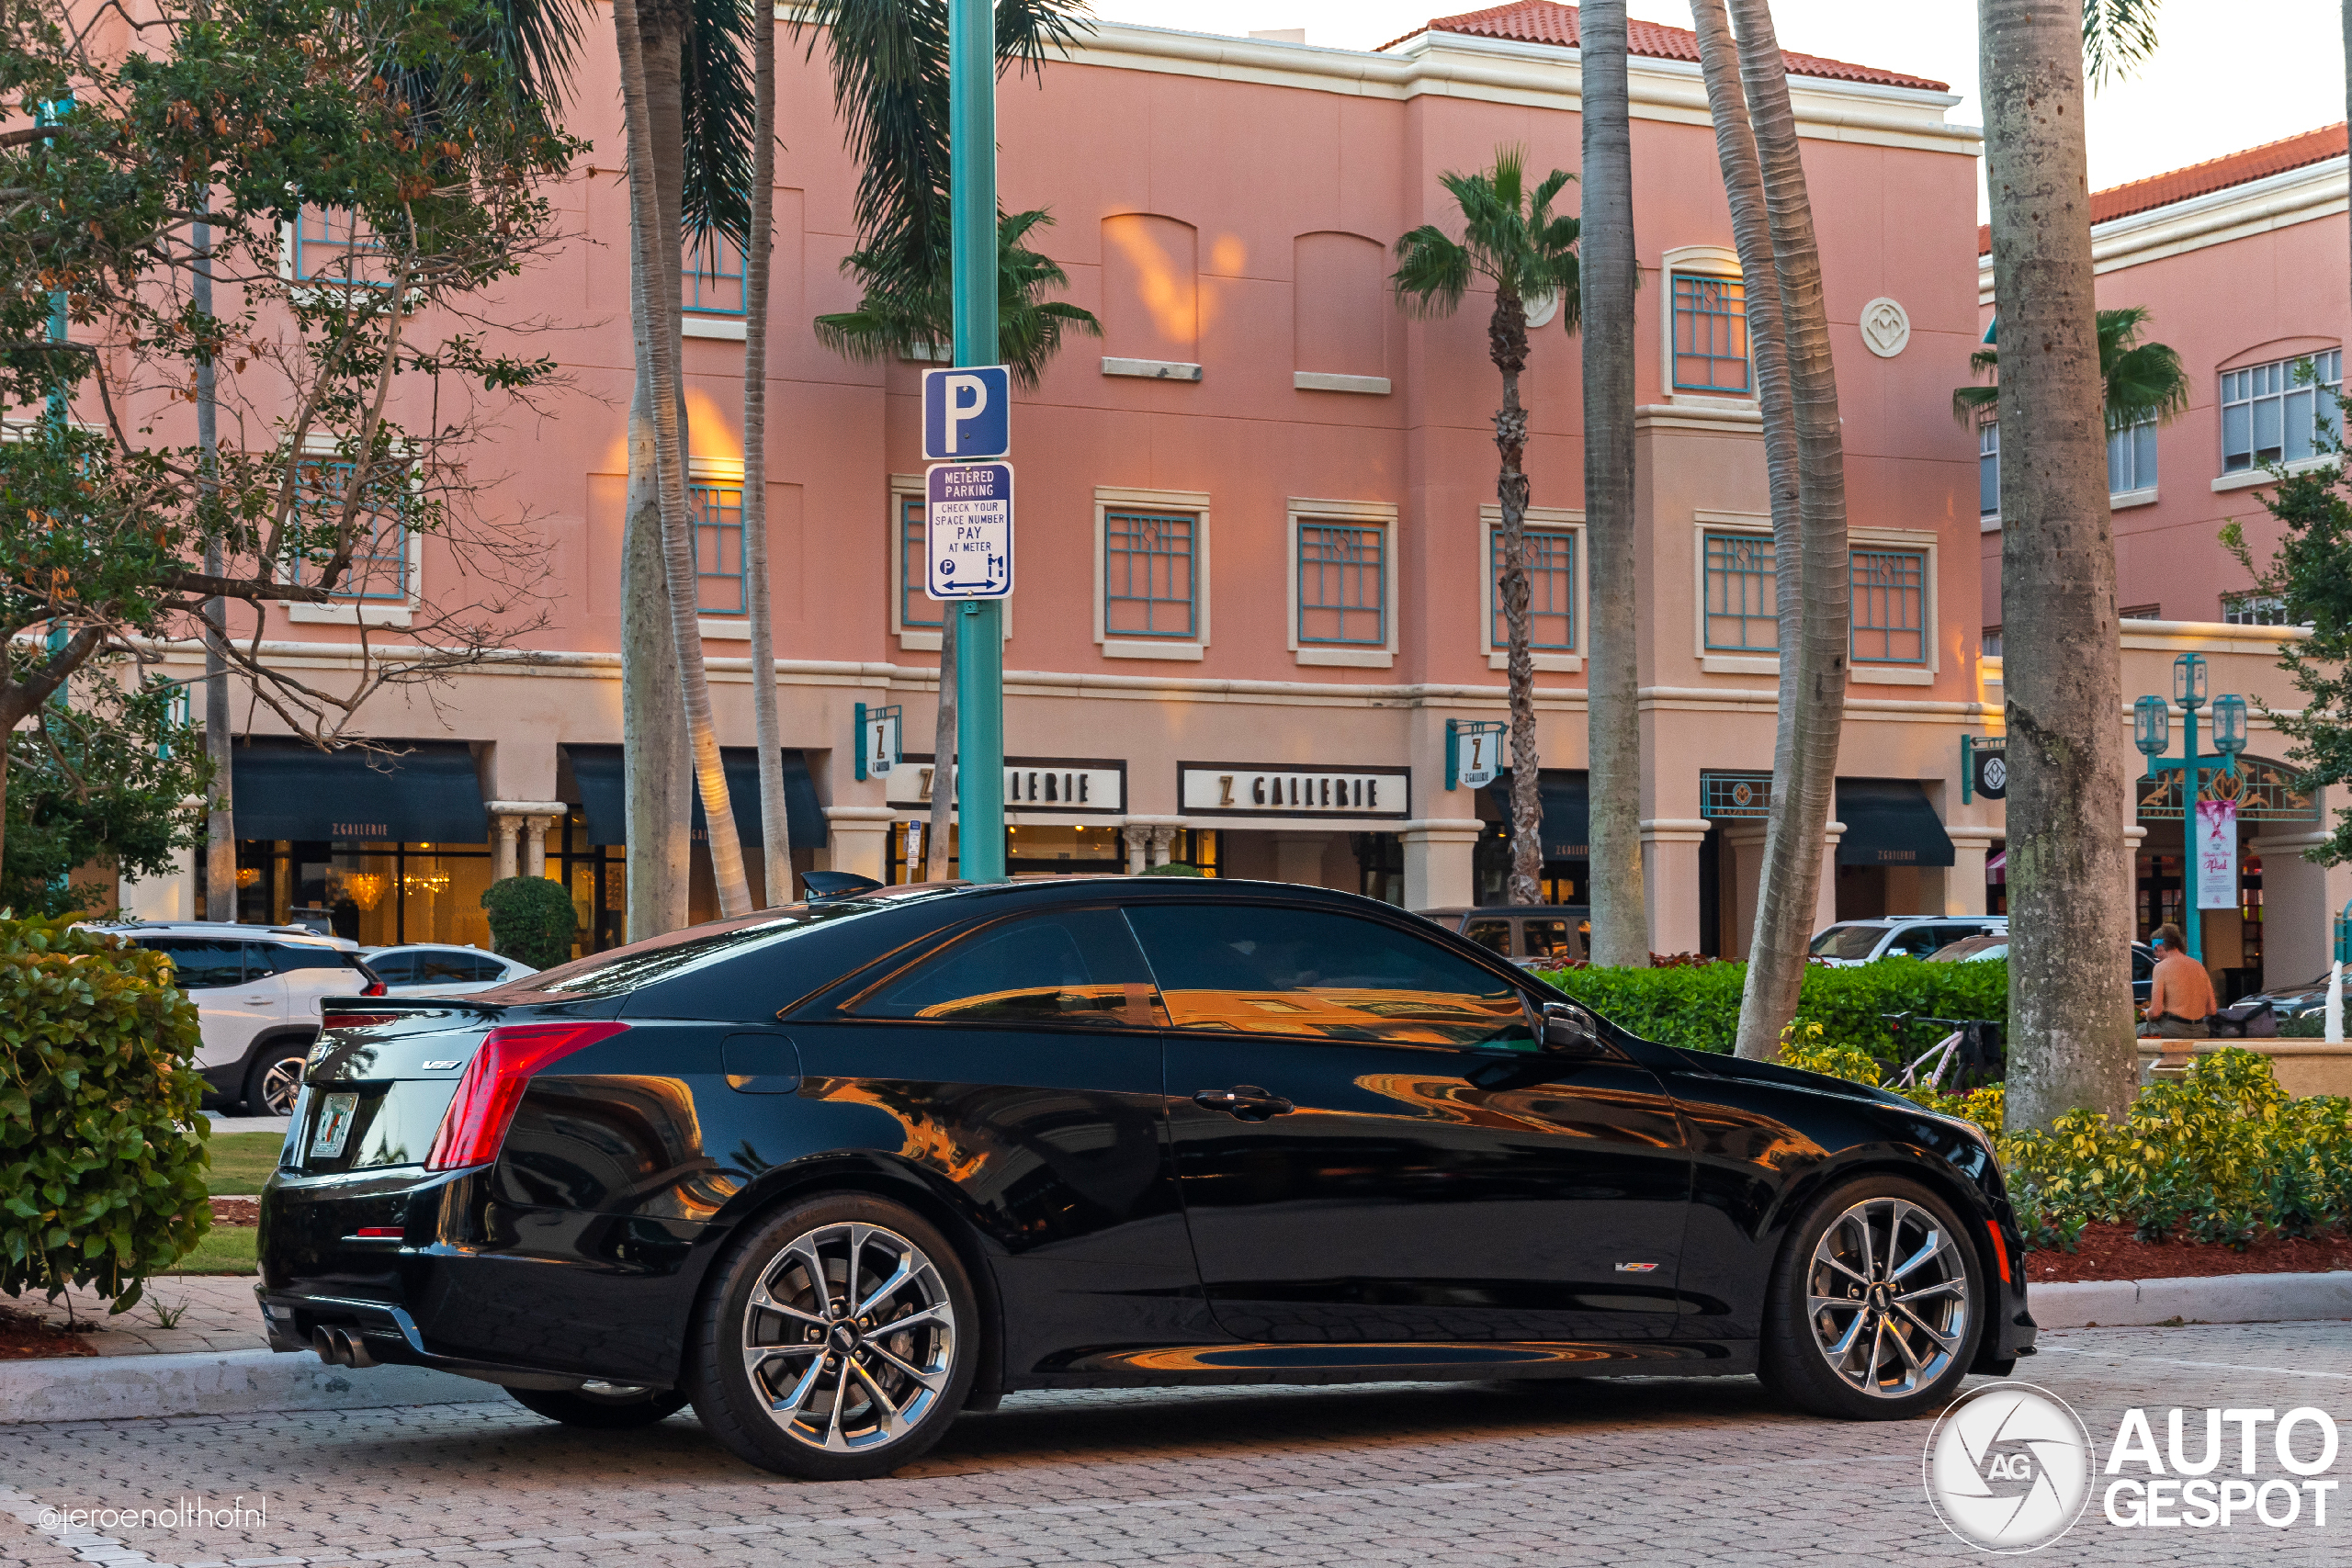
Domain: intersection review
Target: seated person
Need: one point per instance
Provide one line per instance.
(2181, 994)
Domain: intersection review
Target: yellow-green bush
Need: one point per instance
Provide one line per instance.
(102, 1152)
(2214, 1157)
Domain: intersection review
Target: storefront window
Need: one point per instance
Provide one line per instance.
(375, 894)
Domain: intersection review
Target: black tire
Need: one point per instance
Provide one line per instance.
(602, 1411)
(822, 1403)
(274, 1077)
(1884, 1349)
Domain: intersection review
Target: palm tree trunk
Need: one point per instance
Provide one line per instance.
(1507, 342)
(775, 829)
(654, 305)
(1804, 458)
(2070, 999)
(937, 864)
(1620, 920)
(655, 779)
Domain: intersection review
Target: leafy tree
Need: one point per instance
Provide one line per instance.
(1511, 239)
(2143, 380)
(531, 921)
(392, 124)
(103, 779)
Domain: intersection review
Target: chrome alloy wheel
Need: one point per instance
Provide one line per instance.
(849, 1337)
(1887, 1296)
(281, 1085)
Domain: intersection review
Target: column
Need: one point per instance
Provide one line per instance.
(2300, 903)
(860, 840)
(535, 843)
(1741, 882)
(1163, 840)
(1824, 901)
(1138, 841)
(1670, 880)
(1965, 883)
(2133, 836)
(1438, 861)
(504, 824)
(1298, 857)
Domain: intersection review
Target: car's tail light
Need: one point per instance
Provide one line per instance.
(379, 1232)
(357, 1020)
(377, 989)
(492, 1085)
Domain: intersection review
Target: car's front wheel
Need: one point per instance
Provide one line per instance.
(838, 1341)
(1873, 1307)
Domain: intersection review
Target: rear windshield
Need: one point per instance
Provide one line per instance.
(625, 969)
(1849, 942)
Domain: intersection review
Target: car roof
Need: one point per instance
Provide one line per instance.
(1890, 920)
(432, 947)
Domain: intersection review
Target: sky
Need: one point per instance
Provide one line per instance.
(2234, 73)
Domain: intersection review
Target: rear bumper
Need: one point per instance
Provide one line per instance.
(295, 1319)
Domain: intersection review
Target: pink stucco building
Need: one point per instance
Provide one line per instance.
(1255, 562)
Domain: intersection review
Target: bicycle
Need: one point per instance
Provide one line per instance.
(1973, 1048)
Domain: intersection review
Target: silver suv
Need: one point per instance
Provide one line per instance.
(1900, 936)
(256, 990)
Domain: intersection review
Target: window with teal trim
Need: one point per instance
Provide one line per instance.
(716, 513)
(1890, 606)
(1148, 588)
(329, 245)
(918, 611)
(1711, 335)
(380, 569)
(1551, 557)
(1343, 584)
(1743, 598)
(711, 276)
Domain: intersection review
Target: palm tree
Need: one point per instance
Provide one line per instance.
(775, 827)
(1612, 713)
(889, 63)
(1511, 238)
(1797, 392)
(2069, 867)
(2142, 380)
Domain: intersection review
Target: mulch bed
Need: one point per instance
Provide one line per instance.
(236, 1211)
(2111, 1252)
(24, 1337)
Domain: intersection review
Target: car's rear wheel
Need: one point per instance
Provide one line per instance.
(1873, 1307)
(616, 1411)
(838, 1342)
(274, 1077)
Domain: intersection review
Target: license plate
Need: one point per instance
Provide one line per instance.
(334, 1126)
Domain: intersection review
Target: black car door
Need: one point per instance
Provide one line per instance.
(1371, 1148)
(1021, 1063)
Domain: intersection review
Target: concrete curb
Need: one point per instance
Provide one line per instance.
(2224, 1297)
(214, 1382)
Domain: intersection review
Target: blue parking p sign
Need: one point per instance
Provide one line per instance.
(966, 413)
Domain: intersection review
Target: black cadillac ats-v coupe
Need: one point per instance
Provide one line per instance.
(836, 1172)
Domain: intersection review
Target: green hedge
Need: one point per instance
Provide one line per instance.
(102, 1152)
(531, 921)
(1697, 1006)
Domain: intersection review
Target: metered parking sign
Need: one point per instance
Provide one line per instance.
(968, 531)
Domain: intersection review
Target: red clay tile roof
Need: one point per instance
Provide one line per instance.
(2205, 178)
(1541, 21)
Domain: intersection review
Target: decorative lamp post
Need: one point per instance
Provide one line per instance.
(2151, 729)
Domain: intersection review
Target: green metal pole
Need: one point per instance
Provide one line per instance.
(979, 642)
(2193, 926)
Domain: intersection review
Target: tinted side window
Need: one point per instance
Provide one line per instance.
(199, 965)
(1070, 966)
(1492, 935)
(1915, 942)
(394, 968)
(286, 958)
(1254, 969)
(2142, 966)
(1546, 939)
(455, 969)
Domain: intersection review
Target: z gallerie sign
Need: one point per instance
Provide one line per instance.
(1084, 786)
(1256, 789)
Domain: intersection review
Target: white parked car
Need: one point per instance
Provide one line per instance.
(256, 990)
(1900, 936)
(440, 969)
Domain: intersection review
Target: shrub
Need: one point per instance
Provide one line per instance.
(2311, 1027)
(102, 1154)
(1173, 868)
(531, 921)
(1697, 1005)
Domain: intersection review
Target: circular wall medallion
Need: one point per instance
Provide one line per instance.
(1541, 309)
(1886, 327)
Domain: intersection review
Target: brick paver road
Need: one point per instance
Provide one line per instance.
(1648, 1473)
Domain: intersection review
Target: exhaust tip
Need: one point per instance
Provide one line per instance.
(341, 1347)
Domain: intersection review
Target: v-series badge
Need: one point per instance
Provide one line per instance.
(1637, 1268)
(429, 1067)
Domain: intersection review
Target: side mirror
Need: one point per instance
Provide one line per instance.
(1568, 1032)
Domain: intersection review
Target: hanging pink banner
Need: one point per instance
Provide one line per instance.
(2217, 854)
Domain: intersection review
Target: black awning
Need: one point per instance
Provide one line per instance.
(597, 771)
(1566, 832)
(427, 793)
(1889, 822)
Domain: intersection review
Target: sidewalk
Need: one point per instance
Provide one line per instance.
(214, 1311)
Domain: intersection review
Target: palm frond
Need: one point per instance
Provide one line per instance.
(717, 121)
(1432, 274)
(1967, 402)
(2146, 382)
(2117, 37)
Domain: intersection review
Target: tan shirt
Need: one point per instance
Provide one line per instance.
(2181, 989)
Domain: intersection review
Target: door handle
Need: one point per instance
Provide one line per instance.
(1247, 1101)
